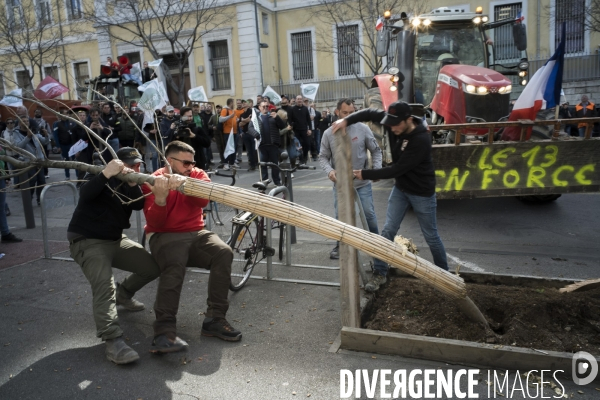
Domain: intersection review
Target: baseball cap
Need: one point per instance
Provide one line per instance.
(397, 112)
(170, 108)
(129, 155)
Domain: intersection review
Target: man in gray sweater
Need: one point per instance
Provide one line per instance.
(362, 139)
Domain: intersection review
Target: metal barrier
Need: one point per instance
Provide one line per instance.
(44, 217)
(288, 248)
(522, 124)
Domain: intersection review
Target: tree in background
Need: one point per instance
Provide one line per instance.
(32, 40)
(347, 22)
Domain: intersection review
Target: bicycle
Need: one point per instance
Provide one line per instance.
(249, 239)
(218, 216)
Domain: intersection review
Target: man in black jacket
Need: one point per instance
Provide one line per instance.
(97, 244)
(110, 118)
(299, 119)
(62, 131)
(193, 135)
(269, 126)
(413, 170)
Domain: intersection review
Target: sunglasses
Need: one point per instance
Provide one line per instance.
(10, 122)
(185, 163)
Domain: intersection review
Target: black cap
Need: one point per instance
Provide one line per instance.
(129, 155)
(397, 112)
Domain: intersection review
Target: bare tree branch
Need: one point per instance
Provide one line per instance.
(148, 23)
(30, 40)
(339, 16)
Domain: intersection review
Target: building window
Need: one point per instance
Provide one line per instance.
(265, 23)
(44, 12)
(24, 82)
(503, 37)
(15, 14)
(82, 73)
(573, 13)
(219, 65)
(133, 58)
(348, 50)
(302, 55)
(74, 9)
(51, 71)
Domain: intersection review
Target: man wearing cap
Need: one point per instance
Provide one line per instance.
(167, 127)
(97, 244)
(413, 171)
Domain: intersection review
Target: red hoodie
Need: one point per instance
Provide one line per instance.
(181, 213)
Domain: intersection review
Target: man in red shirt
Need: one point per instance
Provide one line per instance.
(177, 239)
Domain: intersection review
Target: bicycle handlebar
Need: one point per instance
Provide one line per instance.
(270, 164)
(219, 173)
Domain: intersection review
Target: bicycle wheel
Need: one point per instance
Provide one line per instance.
(246, 252)
(221, 216)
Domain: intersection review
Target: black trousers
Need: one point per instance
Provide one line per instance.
(270, 153)
(305, 143)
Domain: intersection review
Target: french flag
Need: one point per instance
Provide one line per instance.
(542, 92)
(379, 24)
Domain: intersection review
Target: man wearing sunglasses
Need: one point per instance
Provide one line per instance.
(98, 245)
(178, 239)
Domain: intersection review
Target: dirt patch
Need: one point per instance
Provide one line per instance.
(524, 317)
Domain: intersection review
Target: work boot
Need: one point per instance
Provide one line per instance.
(375, 282)
(130, 304)
(162, 344)
(335, 253)
(118, 352)
(11, 238)
(219, 327)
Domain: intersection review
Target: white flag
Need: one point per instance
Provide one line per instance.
(136, 71)
(230, 147)
(77, 147)
(153, 98)
(144, 86)
(273, 96)
(12, 101)
(309, 90)
(256, 126)
(197, 94)
(155, 63)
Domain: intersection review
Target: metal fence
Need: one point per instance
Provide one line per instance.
(577, 68)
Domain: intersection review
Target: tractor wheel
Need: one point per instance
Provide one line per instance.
(373, 100)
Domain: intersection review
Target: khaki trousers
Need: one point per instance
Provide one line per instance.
(97, 258)
(174, 252)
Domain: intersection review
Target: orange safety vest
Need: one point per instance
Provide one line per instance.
(579, 112)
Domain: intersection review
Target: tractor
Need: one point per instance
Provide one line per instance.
(446, 61)
(459, 69)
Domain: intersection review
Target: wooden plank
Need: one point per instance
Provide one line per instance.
(454, 351)
(517, 168)
(581, 286)
(349, 284)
